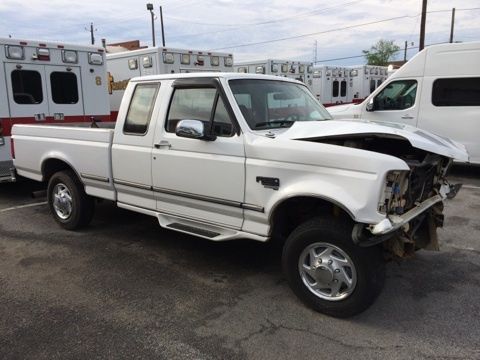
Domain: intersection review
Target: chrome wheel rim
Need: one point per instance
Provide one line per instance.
(327, 271)
(62, 201)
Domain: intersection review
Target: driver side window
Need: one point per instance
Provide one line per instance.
(398, 95)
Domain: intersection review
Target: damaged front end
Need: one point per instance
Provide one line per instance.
(413, 204)
(412, 201)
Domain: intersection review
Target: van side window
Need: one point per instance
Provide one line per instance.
(64, 87)
(343, 88)
(202, 104)
(140, 110)
(456, 92)
(335, 89)
(27, 87)
(398, 95)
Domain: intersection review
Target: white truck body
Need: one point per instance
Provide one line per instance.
(330, 84)
(255, 161)
(123, 66)
(438, 90)
(365, 79)
(45, 82)
(297, 70)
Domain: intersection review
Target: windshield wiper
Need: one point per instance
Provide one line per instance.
(282, 123)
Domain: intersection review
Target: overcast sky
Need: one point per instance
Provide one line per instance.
(224, 25)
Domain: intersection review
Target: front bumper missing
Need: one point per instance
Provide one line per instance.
(395, 222)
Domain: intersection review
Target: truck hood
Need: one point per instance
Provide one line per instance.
(302, 130)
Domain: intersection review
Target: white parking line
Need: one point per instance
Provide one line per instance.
(470, 187)
(23, 206)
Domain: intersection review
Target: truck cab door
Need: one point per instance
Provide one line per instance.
(64, 85)
(397, 101)
(200, 178)
(27, 92)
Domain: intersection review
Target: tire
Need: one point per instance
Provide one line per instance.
(360, 272)
(70, 206)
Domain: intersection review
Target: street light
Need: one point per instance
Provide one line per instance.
(150, 8)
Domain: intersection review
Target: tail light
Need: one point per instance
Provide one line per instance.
(12, 146)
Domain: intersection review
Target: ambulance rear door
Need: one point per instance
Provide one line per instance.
(27, 92)
(65, 99)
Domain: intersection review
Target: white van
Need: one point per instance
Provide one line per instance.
(437, 90)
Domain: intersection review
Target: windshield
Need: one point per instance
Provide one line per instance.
(268, 104)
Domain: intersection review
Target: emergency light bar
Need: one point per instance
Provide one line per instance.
(185, 59)
(274, 68)
(147, 61)
(284, 68)
(228, 61)
(41, 54)
(132, 64)
(301, 68)
(215, 61)
(242, 70)
(14, 52)
(95, 59)
(168, 58)
(69, 56)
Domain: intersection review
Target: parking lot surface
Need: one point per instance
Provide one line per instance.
(124, 287)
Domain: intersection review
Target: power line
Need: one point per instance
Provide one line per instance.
(241, 26)
(315, 33)
(332, 30)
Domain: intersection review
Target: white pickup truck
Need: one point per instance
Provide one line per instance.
(243, 156)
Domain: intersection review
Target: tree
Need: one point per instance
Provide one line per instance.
(381, 53)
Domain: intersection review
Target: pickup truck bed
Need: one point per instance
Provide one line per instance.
(86, 149)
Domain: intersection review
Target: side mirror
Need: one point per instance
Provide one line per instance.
(193, 129)
(370, 105)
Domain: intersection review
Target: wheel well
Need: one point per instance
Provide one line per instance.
(52, 166)
(294, 211)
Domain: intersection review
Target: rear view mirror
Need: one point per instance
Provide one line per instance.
(193, 129)
(370, 105)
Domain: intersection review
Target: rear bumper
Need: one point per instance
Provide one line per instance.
(7, 171)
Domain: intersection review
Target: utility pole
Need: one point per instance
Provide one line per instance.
(161, 23)
(150, 8)
(405, 51)
(315, 52)
(422, 25)
(91, 30)
(453, 25)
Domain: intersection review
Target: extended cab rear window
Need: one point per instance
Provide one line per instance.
(456, 92)
(140, 110)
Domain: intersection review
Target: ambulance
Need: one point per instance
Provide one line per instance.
(330, 84)
(122, 66)
(298, 70)
(44, 83)
(365, 79)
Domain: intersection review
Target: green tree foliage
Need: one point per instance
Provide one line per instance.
(381, 53)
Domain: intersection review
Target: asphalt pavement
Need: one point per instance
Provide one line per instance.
(125, 288)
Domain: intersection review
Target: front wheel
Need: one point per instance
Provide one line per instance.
(328, 272)
(70, 206)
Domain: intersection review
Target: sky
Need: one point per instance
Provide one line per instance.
(250, 30)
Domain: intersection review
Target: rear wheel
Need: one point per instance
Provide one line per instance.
(328, 272)
(70, 206)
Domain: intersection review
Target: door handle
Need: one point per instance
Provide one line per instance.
(161, 144)
(407, 117)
